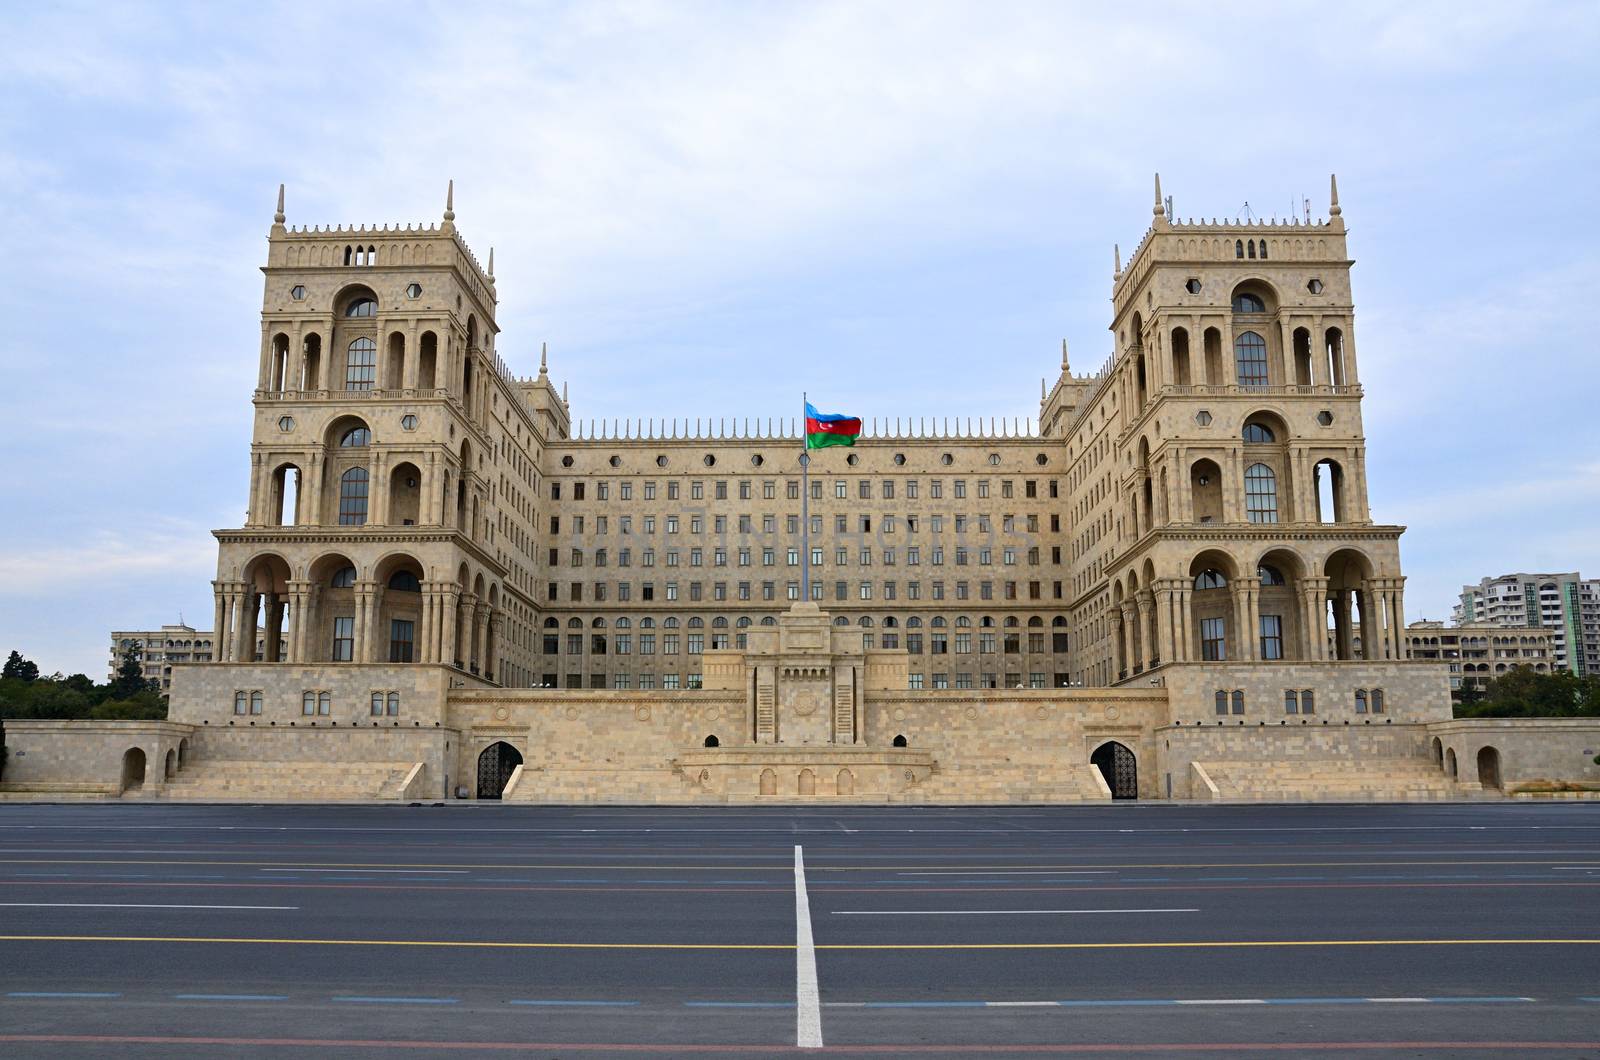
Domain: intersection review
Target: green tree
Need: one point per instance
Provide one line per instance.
(1525, 693)
(130, 679)
(142, 706)
(19, 668)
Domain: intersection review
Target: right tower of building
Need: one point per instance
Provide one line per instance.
(1217, 482)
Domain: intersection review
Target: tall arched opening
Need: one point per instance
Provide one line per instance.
(496, 763)
(1119, 767)
(132, 770)
(1489, 767)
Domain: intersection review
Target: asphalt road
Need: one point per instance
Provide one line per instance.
(173, 931)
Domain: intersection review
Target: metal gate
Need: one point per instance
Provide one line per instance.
(1121, 770)
(495, 766)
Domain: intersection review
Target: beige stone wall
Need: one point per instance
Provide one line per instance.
(1412, 691)
(91, 756)
(1527, 751)
(206, 695)
(1305, 743)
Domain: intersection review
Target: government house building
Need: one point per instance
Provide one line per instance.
(1168, 585)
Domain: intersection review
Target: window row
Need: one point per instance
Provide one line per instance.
(960, 556)
(910, 488)
(601, 592)
(937, 643)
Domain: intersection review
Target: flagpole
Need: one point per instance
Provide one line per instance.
(805, 503)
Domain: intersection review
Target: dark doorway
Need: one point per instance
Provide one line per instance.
(1489, 767)
(1121, 770)
(132, 769)
(495, 766)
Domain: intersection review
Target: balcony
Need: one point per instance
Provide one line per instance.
(343, 396)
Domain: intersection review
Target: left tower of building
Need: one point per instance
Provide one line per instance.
(382, 448)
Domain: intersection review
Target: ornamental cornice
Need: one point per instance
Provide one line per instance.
(389, 535)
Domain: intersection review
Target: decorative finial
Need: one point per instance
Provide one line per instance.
(1065, 367)
(1158, 210)
(491, 266)
(1333, 195)
(1116, 260)
(544, 361)
(277, 218)
(450, 202)
(563, 392)
(1041, 388)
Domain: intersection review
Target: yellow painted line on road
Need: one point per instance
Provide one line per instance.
(776, 868)
(455, 944)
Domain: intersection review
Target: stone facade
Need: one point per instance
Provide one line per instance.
(467, 593)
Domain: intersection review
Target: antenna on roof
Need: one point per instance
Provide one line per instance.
(1171, 217)
(1247, 214)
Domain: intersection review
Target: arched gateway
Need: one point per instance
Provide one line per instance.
(495, 765)
(1121, 770)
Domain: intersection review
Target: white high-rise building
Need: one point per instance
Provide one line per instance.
(1565, 604)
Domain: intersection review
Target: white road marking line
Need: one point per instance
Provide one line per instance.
(130, 905)
(1400, 1000)
(993, 912)
(1014, 872)
(1223, 1001)
(808, 1007)
(368, 871)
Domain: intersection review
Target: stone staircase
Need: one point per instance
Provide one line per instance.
(231, 780)
(1360, 780)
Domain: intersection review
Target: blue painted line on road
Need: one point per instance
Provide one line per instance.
(1589, 999)
(1147, 879)
(400, 1000)
(1105, 1004)
(230, 997)
(739, 1004)
(924, 1004)
(556, 1002)
(1222, 879)
(59, 993)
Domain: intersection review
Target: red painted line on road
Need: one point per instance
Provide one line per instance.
(1101, 1048)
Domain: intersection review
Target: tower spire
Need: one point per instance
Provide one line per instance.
(1158, 210)
(491, 266)
(450, 201)
(1333, 195)
(544, 359)
(1116, 261)
(278, 218)
(1066, 369)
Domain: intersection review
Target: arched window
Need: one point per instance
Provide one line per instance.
(353, 497)
(1210, 579)
(1238, 248)
(1260, 494)
(405, 582)
(1269, 575)
(1263, 250)
(1251, 247)
(1361, 701)
(1245, 302)
(343, 578)
(362, 307)
(355, 438)
(1250, 359)
(361, 369)
(1257, 434)
(1238, 702)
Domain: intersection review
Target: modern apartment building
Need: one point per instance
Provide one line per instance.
(1565, 604)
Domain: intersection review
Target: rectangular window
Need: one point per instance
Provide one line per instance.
(915, 682)
(1213, 641)
(344, 638)
(1291, 702)
(353, 497)
(255, 702)
(1271, 636)
(402, 633)
(361, 368)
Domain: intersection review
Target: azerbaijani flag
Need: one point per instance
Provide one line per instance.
(825, 429)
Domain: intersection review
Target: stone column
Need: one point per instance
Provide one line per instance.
(480, 637)
(448, 608)
(1370, 629)
(1343, 639)
(248, 603)
(361, 648)
(1182, 632)
(429, 515)
(378, 508)
(299, 593)
(1314, 618)
(257, 515)
(463, 635)
(491, 645)
(272, 649)
(1397, 615)
(1120, 642)
(311, 503)
(221, 624)
(1150, 647)
(408, 374)
(1232, 486)
(1166, 622)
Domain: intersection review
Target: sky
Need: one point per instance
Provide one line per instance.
(707, 208)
